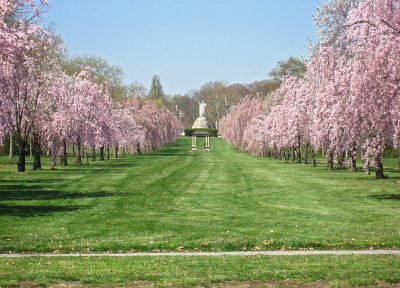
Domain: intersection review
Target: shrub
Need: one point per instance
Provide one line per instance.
(212, 131)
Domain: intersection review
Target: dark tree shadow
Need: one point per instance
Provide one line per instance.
(393, 197)
(29, 211)
(170, 154)
(20, 192)
(31, 181)
(42, 189)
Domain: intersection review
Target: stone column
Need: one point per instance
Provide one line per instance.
(194, 146)
(207, 146)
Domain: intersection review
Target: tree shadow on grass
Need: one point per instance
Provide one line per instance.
(36, 210)
(31, 181)
(20, 192)
(171, 154)
(41, 189)
(393, 197)
(171, 151)
(96, 171)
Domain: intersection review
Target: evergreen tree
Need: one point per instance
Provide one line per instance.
(156, 90)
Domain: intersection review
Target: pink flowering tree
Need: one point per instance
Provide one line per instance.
(349, 99)
(26, 61)
(160, 126)
(376, 74)
(83, 114)
(57, 126)
(356, 87)
(127, 134)
(256, 137)
(292, 114)
(233, 125)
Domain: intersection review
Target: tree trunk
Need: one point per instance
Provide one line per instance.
(22, 145)
(341, 160)
(11, 146)
(368, 169)
(314, 161)
(306, 158)
(299, 149)
(330, 160)
(293, 154)
(73, 149)
(101, 153)
(78, 155)
(93, 153)
(108, 152)
(35, 143)
(116, 151)
(53, 158)
(87, 157)
(63, 160)
(353, 159)
(379, 166)
(30, 148)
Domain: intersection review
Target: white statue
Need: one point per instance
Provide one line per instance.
(201, 122)
(202, 108)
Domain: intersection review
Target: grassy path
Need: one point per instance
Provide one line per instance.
(207, 254)
(231, 271)
(174, 200)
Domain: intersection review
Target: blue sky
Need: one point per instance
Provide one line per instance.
(186, 42)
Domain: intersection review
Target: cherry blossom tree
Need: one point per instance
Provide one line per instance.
(26, 63)
(232, 125)
(160, 126)
(127, 133)
(255, 135)
(375, 26)
(361, 82)
(83, 113)
(39, 102)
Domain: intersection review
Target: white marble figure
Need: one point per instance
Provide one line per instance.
(201, 122)
(202, 108)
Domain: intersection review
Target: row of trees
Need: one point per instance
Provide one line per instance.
(219, 96)
(348, 100)
(44, 103)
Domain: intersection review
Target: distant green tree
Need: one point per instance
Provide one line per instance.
(285, 68)
(156, 90)
(103, 71)
(265, 87)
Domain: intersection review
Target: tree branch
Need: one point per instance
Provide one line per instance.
(361, 22)
(374, 25)
(391, 26)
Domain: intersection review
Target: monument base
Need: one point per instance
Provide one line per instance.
(200, 122)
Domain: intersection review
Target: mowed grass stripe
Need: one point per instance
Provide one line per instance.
(250, 271)
(174, 199)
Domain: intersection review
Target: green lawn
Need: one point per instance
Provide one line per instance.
(284, 271)
(174, 199)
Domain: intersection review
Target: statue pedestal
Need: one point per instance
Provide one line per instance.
(201, 133)
(200, 122)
